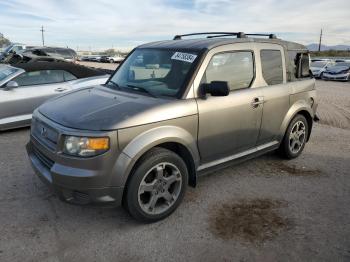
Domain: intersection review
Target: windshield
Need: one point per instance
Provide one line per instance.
(6, 71)
(318, 64)
(6, 49)
(343, 64)
(154, 72)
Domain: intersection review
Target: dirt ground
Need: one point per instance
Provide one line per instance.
(265, 209)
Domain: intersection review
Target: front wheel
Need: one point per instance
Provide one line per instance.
(295, 137)
(157, 185)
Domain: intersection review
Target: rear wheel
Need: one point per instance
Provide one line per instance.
(157, 185)
(295, 137)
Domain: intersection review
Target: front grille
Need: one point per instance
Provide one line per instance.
(42, 158)
(44, 133)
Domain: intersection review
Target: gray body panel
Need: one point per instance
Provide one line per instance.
(210, 131)
(110, 110)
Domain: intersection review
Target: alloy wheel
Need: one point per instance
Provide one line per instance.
(297, 137)
(160, 188)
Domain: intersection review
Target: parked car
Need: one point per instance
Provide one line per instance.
(177, 113)
(94, 58)
(26, 86)
(339, 71)
(111, 59)
(319, 67)
(67, 54)
(12, 48)
(46, 54)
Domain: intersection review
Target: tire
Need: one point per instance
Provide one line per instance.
(157, 185)
(289, 149)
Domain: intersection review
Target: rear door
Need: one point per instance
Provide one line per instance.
(275, 91)
(17, 104)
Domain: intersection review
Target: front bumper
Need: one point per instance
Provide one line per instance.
(343, 77)
(74, 184)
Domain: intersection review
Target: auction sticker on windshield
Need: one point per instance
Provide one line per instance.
(184, 57)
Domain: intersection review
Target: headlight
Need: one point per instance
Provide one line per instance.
(85, 146)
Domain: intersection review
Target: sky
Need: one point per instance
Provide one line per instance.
(123, 24)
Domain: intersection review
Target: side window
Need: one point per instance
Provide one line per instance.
(300, 64)
(236, 68)
(304, 65)
(68, 76)
(40, 77)
(272, 69)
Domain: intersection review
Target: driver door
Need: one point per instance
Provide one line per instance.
(229, 125)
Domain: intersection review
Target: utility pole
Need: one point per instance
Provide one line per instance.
(42, 34)
(319, 44)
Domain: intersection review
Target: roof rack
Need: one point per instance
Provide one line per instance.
(271, 36)
(222, 34)
(237, 34)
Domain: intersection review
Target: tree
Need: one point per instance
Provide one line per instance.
(110, 52)
(4, 41)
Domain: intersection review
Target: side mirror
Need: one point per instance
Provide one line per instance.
(10, 85)
(216, 88)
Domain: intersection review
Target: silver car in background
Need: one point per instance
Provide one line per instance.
(319, 67)
(340, 71)
(26, 86)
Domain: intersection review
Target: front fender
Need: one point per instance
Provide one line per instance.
(147, 140)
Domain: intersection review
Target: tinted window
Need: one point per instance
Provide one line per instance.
(272, 70)
(236, 68)
(40, 77)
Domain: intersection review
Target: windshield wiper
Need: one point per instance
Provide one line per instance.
(142, 89)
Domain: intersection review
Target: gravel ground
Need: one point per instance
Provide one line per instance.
(288, 210)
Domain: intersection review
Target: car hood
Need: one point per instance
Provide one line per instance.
(337, 69)
(101, 108)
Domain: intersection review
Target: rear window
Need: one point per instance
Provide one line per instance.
(272, 69)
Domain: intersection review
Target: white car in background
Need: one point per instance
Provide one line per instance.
(25, 86)
(318, 67)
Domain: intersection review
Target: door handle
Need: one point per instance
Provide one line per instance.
(257, 101)
(60, 89)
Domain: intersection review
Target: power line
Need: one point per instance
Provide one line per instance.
(42, 34)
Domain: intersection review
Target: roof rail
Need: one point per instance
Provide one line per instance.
(237, 34)
(222, 34)
(271, 36)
